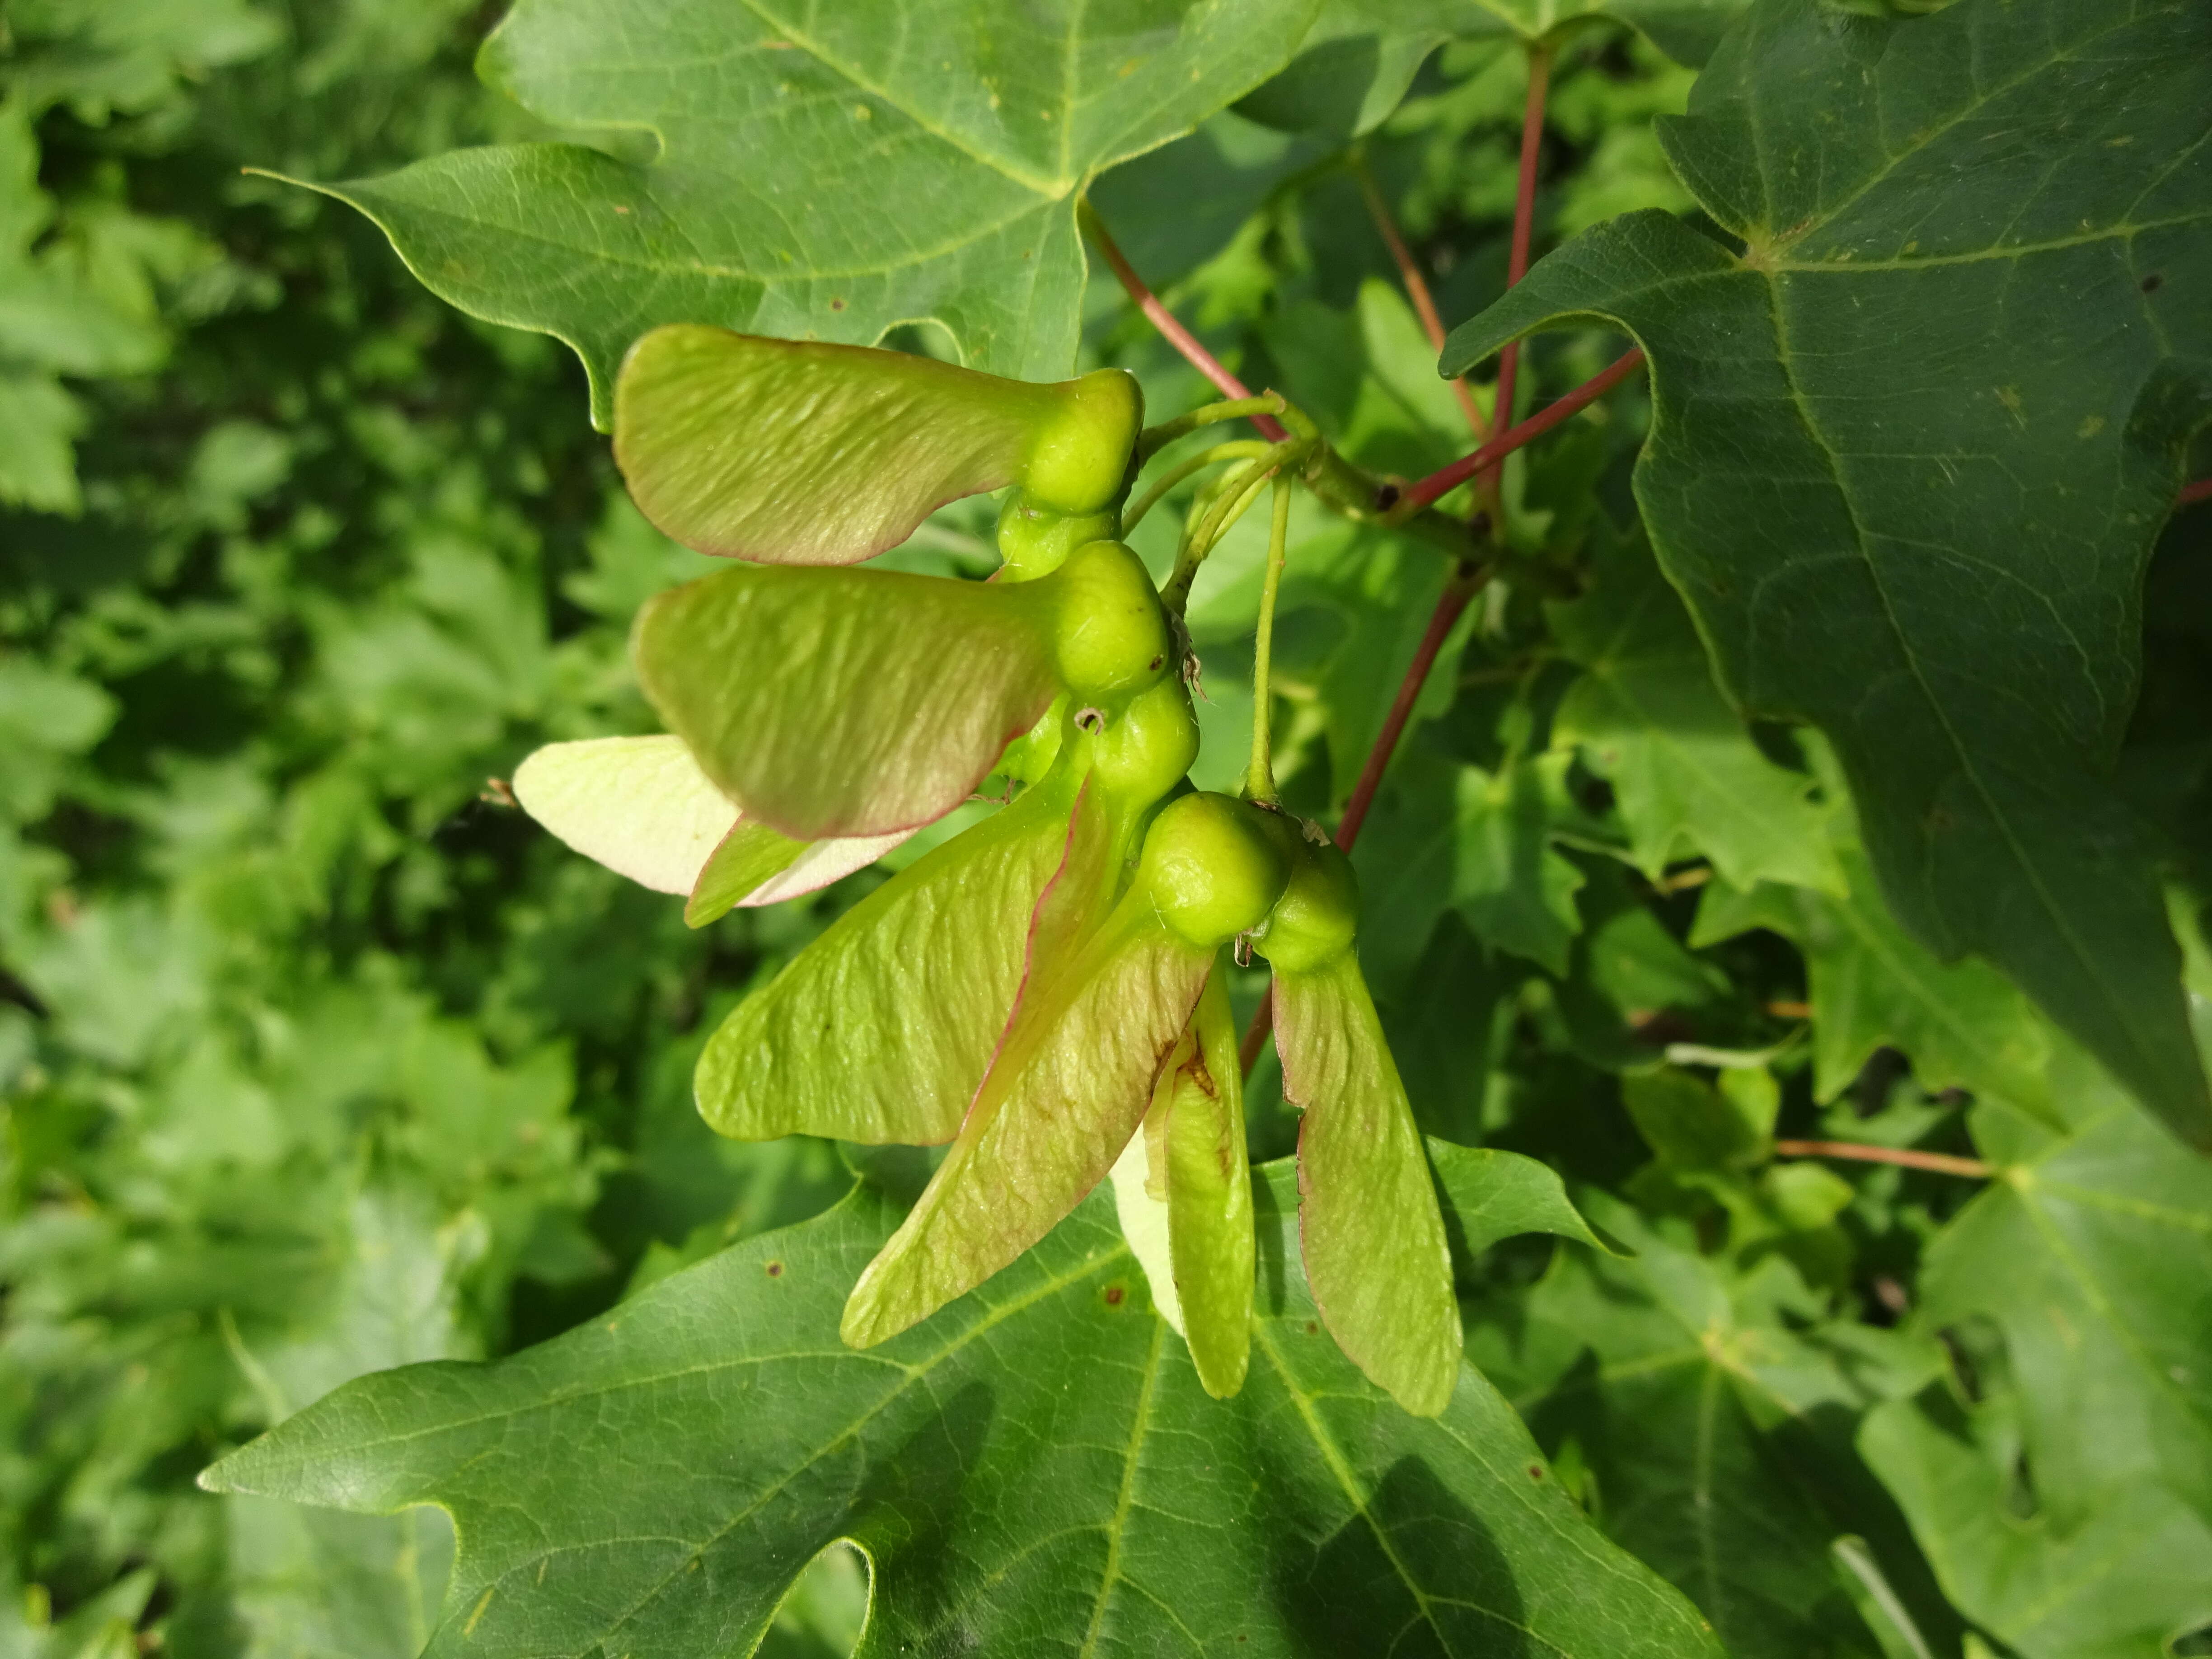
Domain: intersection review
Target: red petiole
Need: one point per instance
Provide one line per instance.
(1164, 320)
(1524, 209)
(1419, 495)
(1942, 1163)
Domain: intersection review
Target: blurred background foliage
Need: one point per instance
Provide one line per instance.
(317, 1058)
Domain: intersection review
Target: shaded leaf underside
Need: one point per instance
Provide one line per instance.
(1716, 1410)
(1963, 1024)
(1686, 773)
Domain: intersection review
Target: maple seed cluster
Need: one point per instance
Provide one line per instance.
(1045, 989)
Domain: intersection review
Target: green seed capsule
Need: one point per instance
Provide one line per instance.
(1079, 458)
(1142, 750)
(1111, 637)
(1210, 868)
(1035, 541)
(1314, 921)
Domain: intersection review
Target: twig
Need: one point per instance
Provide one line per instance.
(1235, 492)
(1417, 289)
(1154, 439)
(1941, 1163)
(1164, 320)
(1240, 449)
(1260, 772)
(1524, 209)
(1419, 495)
(2199, 491)
(1335, 482)
(1256, 1034)
(1461, 589)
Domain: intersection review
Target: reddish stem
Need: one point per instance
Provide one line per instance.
(1256, 1034)
(1417, 290)
(1524, 210)
(1942, 1163)
(2199, 491)
(1449, 604)
(1164, 320)
(1419, 495)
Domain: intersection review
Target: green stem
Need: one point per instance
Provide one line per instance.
(1154, 439)
(1233, 493)
(1524, 204)
(1241, 449)
(1260, 775)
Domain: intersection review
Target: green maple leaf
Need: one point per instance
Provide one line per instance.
(1650, 719)
(1911, 446)
(2125, 1582)
(1712, 1408)
(822, 172)
(1090, 1493)
(2092, 1253)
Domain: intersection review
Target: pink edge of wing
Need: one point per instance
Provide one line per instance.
(947, 800)
(821, 863)
(1369, 1227)
(1082, 1102)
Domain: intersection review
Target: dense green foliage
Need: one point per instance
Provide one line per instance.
(318, 1059)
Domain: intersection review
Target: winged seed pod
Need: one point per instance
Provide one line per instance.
(1117, 964)
(1369, 1225)
(643, 807)
(1030, 990)
(1184, 1191)
(792, 451)
(882, 1030)
(836, 703)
